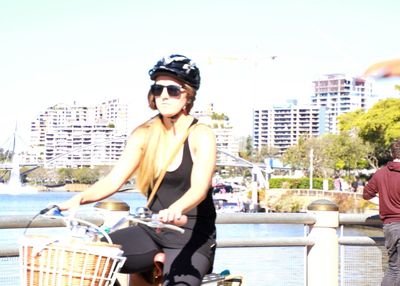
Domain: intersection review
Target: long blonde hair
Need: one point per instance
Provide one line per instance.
(149, 167)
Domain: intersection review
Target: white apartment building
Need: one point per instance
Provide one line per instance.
(281, 126)
(340, 94)
(76, 135)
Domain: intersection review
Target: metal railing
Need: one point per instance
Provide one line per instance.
(324, 243)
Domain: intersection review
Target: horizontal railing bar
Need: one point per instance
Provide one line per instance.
(266, 242)
(360, 219)
(362, 241)
(270, 218)
(23, 221)
(11, 250)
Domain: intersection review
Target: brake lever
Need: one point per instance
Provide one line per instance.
(117, 225)
(52, 210)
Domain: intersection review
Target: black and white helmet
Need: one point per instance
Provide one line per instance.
(180, 67)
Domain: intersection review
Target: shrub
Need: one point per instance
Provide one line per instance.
(288, 203)
(298, 183)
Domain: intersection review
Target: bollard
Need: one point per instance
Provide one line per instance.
(323, 256)
(113, 211)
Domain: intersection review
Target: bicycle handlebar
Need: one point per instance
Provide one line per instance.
(53, 211)
(142, 216)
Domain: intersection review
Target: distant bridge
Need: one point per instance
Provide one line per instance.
(257, 168)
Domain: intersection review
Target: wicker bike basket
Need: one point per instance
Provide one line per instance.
(46, 261)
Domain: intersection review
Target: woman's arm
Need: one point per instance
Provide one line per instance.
(203, 148)
(121, 172)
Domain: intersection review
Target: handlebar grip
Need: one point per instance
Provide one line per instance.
(181, 221)
(174, 227)
(176, 222)
(52, 210)
(154, 223)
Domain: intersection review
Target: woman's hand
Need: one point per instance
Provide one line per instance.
(72, 204)
(172, 216)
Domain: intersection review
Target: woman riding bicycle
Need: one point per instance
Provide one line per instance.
(185, 188)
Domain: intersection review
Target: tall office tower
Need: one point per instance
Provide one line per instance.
(340, 94)
(281, 126)
(77, 135)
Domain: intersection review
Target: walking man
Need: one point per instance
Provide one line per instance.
(385, 184)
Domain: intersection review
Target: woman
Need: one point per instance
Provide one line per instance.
(185, 189)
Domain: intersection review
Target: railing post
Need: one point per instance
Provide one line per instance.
(113, 211)
(323, 257)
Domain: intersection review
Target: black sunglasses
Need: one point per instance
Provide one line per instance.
(173, 90)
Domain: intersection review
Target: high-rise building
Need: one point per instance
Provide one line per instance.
(77, 135)
(339, 94)
(334, 94)
(281, 126)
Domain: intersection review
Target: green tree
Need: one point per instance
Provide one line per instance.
(346, 151)
(86, 175)
(378, 127)
(248, 150)
(2, 155)
(38, 176)
(263, 153)
(66, 175)
(297, 155)
(103, 170)
(5, 155)
(329, 153)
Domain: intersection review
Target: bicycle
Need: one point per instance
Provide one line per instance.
(87, 231)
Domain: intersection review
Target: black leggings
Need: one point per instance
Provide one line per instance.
(182, 266)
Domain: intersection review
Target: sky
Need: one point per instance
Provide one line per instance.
(250, 53)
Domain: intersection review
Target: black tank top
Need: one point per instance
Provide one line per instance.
(200, 229)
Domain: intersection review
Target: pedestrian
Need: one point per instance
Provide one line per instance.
(171, 140)
(337, 183)
(355, 184)
(385, 184)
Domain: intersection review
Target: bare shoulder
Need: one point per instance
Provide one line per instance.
(202, 138)
(140, 131)
(202, 131)
(138, 135)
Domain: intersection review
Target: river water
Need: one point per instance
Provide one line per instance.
(278, 266)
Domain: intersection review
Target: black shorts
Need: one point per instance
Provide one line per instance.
(185, 265)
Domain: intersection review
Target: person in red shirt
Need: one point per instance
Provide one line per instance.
(385, 184)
